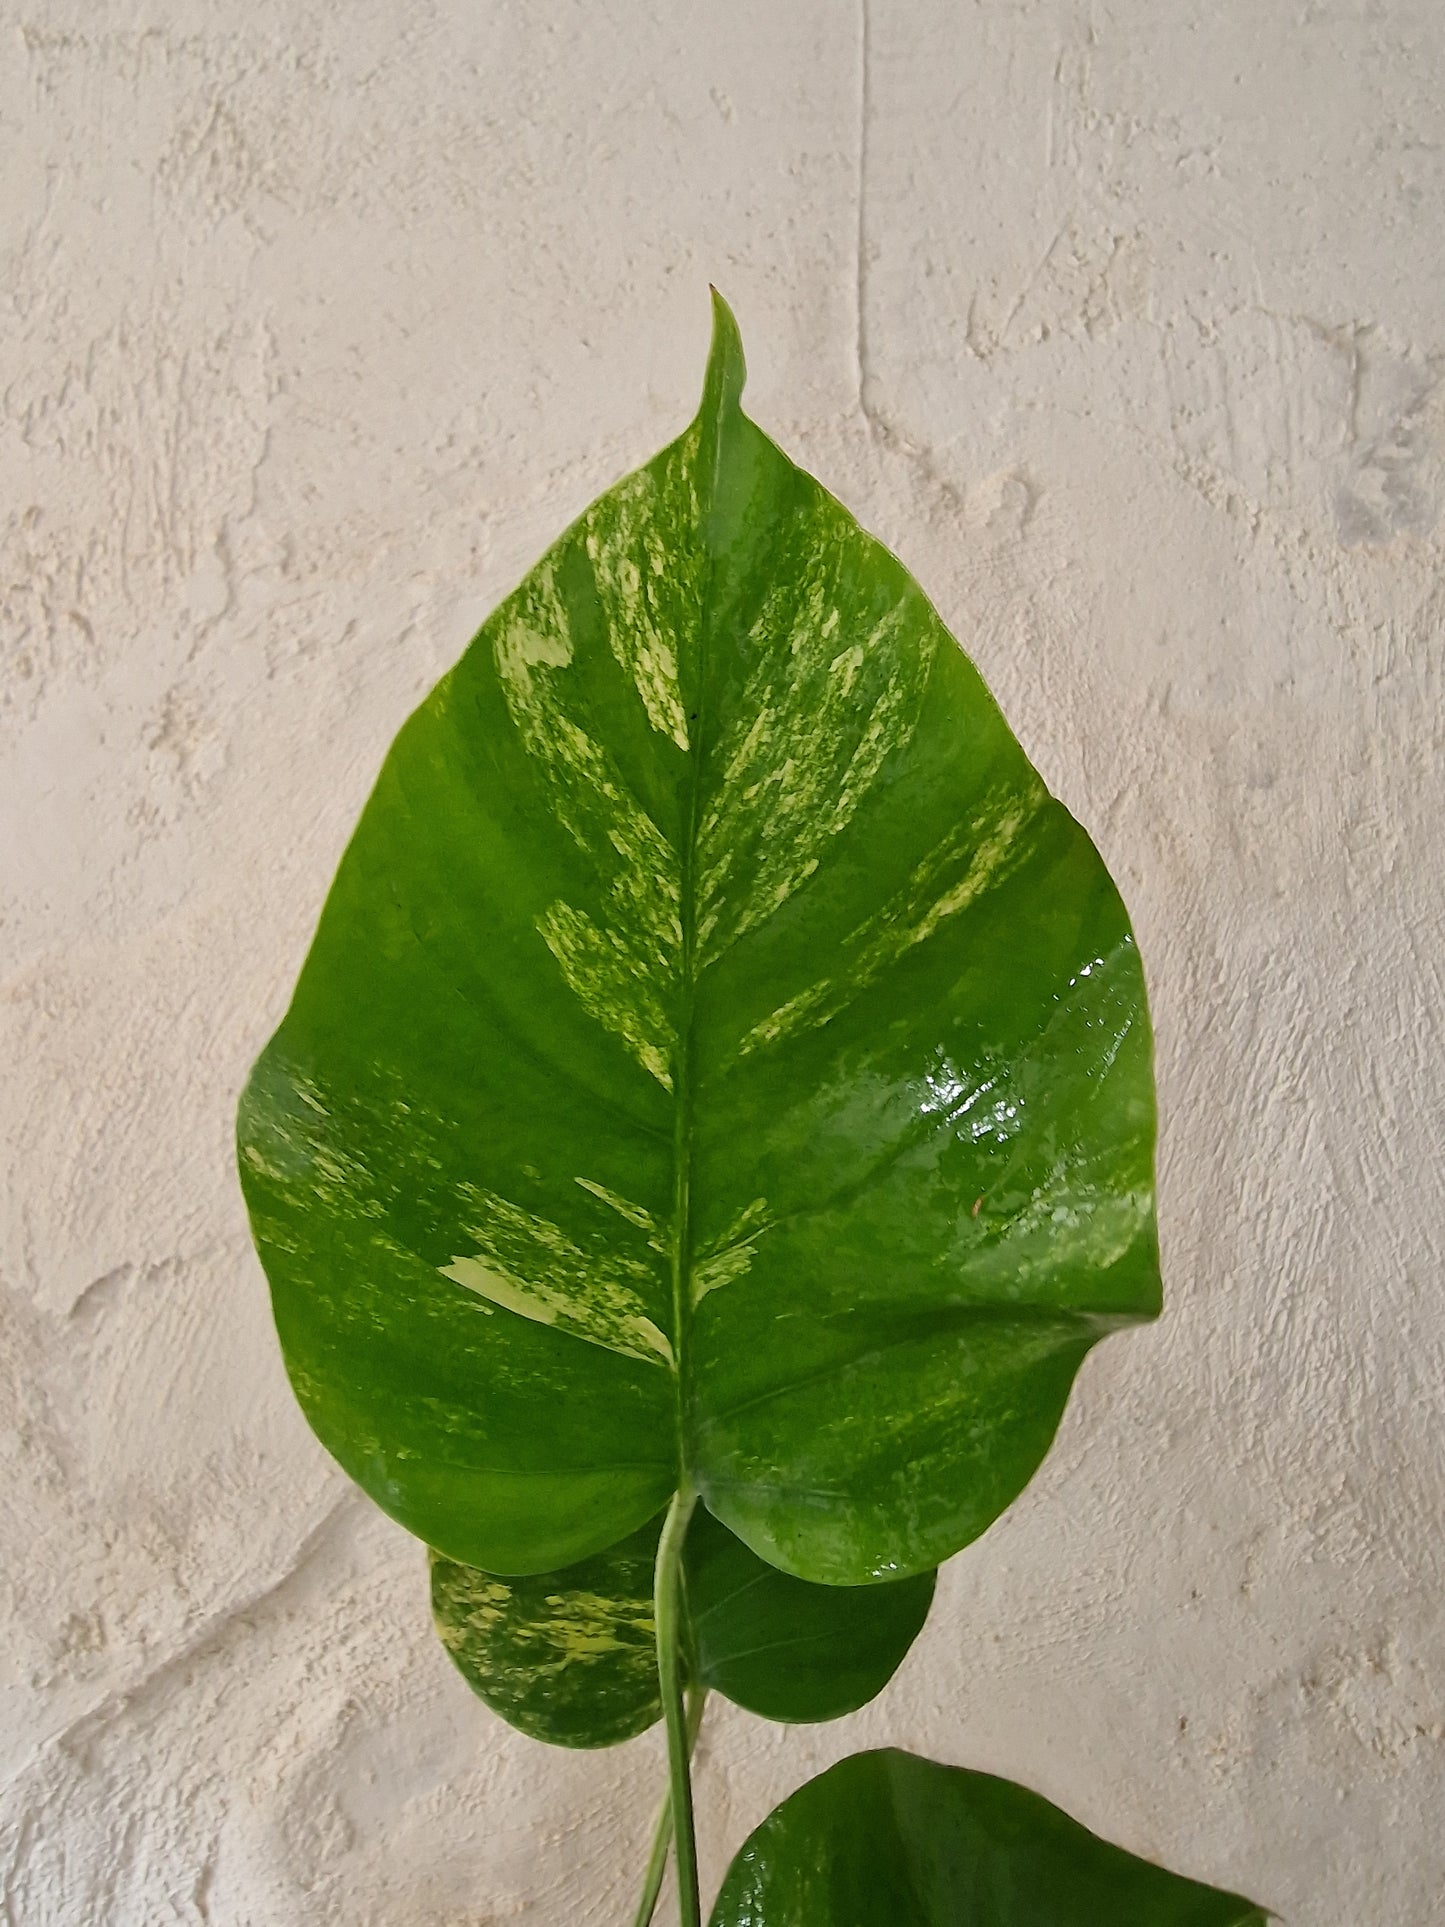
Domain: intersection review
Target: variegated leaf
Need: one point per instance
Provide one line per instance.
(720, 1060)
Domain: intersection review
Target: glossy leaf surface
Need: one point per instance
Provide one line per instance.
(719, 1060)
(890, 1840)
(568, 1656)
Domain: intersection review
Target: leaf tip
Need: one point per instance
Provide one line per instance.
(726, 368)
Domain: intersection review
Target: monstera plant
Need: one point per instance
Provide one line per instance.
(713, 1123)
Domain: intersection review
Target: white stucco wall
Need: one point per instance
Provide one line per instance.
(1122, 322)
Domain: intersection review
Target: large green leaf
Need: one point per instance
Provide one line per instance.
(568, 1656)
(889, 1840)
(719, 1061)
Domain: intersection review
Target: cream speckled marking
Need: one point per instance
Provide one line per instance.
(565, 1656)
(636, 564)
(528, 1265)
(304, 1163)
(583, 1626)
(610, 986)
(801, 767)
(997, 847)
(624, 1207)
(623, 973)
(730, 1255)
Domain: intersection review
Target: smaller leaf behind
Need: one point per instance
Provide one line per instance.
(567, 1657)
(887, 1839)
(788, 1649)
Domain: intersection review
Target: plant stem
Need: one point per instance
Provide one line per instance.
(656, 1864)
(667, 1607)
(662, 1832)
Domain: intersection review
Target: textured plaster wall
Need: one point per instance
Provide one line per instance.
(1122, 322)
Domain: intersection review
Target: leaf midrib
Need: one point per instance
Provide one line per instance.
(710, 445)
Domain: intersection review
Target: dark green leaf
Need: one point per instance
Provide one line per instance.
(889, 1840)
(788, 1649)
(719, 1060)
(568, 1656)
